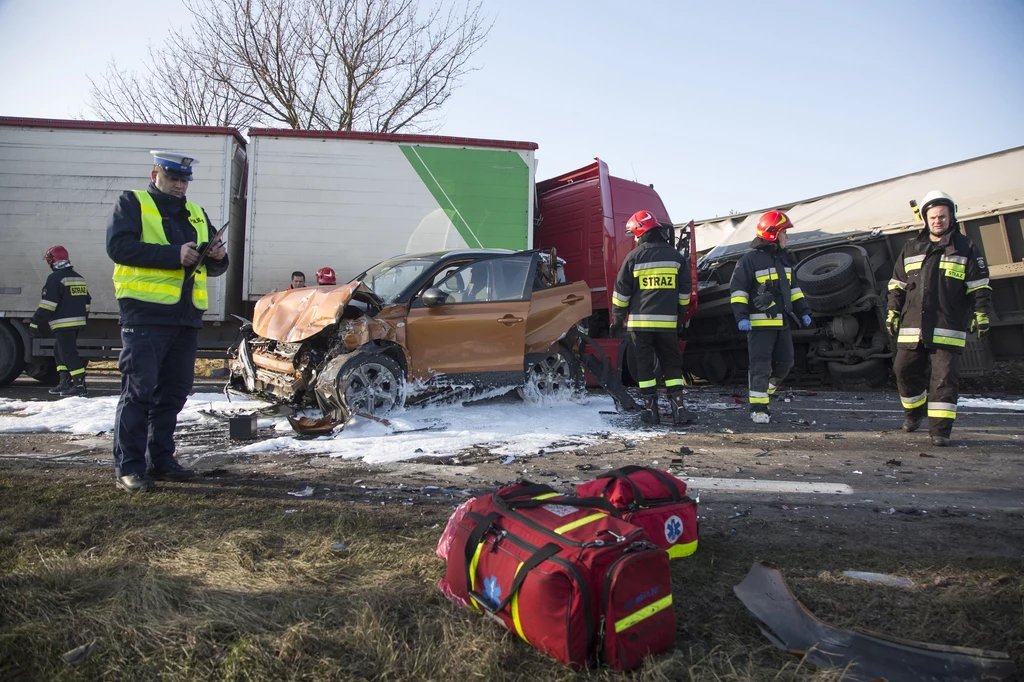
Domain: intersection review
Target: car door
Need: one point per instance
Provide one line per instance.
(480, 331)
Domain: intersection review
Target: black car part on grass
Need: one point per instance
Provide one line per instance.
(861, 655)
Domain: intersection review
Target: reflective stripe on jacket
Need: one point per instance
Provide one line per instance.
(770, 265)
(65, 301)
(653, 287)
(935, 287)
(157, 285)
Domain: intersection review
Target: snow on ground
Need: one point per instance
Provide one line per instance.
(992, 403)
(507, 428)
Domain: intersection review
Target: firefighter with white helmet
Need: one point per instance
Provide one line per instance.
(765, 302)
(651, 294)
(63, 309)
(939, 292)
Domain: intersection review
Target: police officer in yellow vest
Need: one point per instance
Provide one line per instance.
(154, 238)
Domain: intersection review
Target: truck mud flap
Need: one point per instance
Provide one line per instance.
(601, 367)
(860, 654)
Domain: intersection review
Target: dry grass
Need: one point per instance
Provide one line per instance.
(214, 581)
(203, 366)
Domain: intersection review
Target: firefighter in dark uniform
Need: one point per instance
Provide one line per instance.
(939, 292)
(653, 288)
(63, 308)
(765, 303)
(154, 238)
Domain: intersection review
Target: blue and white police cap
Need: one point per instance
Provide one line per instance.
(175, 164)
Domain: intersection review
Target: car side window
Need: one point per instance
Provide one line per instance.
(494, 279)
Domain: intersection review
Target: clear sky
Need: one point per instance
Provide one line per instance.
(722, 106)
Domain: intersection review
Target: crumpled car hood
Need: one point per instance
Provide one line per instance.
(297, 314)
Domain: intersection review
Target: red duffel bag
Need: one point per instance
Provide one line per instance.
(653, 499)
(565, 574)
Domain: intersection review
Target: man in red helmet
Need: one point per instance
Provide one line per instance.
(765, 304)
(326, 277)
(64, 308)
(940, 281)
(650, 297)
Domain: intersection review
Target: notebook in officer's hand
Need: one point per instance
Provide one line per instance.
(204, 251)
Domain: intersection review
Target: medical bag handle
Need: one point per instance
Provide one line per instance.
(475, 543)
(599, 503)
(623, 473)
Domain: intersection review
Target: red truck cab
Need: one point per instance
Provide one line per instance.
(583, 215)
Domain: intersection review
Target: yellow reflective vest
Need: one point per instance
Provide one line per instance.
(156, 285)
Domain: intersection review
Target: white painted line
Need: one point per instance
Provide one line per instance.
(882, 410)
(749, 486)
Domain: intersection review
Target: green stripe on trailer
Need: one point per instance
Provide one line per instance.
(484, 192)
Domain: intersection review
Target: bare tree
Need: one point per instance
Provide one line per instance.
(372, 65)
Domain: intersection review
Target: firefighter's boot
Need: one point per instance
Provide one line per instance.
(680, 415)
(649, 413)
(63, 385)
(77, 387)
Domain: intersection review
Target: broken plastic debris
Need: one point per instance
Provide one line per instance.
(880, 578)
(895, 463)
(727, 431)
(339, 546)
(860, 654)
(290, 511)
(508, 460)
(833, 436)
(79, 653)
(305, 492)
(859, 472)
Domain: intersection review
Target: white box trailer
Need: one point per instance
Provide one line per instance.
(58, 184)
(350, 200)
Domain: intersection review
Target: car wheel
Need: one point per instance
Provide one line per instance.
(11, 354)
(836, 300)
(872, 373)
(826, 273)
(372, 383)
(555, 376)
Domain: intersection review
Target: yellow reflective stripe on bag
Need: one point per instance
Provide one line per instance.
(515, 606)
(646, 612)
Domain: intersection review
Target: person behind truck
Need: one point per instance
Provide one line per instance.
(940, 281)
(653, 289)
(154, 238)
(326, 277)
(298, 280)
(765, 303)
(63, 308)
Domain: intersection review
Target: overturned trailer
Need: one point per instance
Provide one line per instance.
(845, 245)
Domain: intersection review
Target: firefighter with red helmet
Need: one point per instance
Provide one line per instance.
(326, 277)
(651, 294)
(939, 292)
(765, 302)
(63, 308)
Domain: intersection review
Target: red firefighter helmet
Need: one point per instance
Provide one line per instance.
(771, 224)
(326, 276)
(54, 254)
(641, 222)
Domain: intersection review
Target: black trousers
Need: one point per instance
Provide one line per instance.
(663, 347)
(934, 395)
(65, 351)
(157, 369)
(770, 354)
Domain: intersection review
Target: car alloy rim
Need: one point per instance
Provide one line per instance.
(372, 389)
(550, 377)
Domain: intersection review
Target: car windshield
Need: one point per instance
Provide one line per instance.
(390, 278)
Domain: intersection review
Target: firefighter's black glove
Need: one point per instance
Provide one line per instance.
(980, 324)
(616, 326)
(34, 331)
(764, 301)
(892, 323)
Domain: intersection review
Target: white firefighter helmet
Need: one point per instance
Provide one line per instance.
(937, 198)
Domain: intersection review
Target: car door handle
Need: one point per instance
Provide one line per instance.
(509, 320)
(572, 300)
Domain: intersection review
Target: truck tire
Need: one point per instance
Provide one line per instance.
(872, 373)
(12, 354)
(834, 301)
(826, 273)
(45, 372)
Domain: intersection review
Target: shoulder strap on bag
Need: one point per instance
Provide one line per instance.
(623, 473)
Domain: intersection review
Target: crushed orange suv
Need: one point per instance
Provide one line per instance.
(413, 327)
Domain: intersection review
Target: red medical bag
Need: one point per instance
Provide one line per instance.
(653, 499)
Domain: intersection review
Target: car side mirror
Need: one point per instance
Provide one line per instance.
(434, 297)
